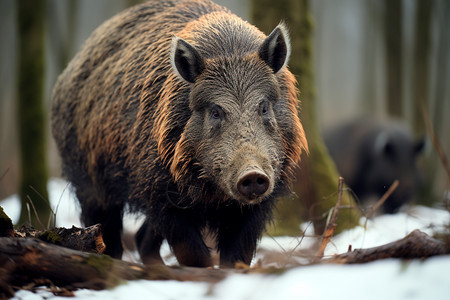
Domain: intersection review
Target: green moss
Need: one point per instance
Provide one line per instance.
(275, 271)
(50, 236)
(157, 272)
(102, 263)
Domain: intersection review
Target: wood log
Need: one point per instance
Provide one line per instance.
(417, 244)
(89, 239)
(27, 260)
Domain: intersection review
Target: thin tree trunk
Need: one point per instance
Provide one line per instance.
(421, 64)
(441, 97)
(443, 63)
(31, 115)
(394, 56)
(368, 89)
(420, 85)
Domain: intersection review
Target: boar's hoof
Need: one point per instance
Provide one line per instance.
(253, 184)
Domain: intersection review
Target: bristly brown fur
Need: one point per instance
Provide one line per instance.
(130, 131)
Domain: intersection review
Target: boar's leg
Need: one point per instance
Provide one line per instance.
(191, 251)
(149, 244)
(98, 207)
(111, 220)
(239, 232)
(187, 243)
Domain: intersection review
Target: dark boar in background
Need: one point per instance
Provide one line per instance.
(185, 112)
(371, 154)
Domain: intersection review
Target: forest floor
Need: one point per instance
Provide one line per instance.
(383, 279)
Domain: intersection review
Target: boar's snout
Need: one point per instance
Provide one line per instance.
(253, 184)
(251, 175)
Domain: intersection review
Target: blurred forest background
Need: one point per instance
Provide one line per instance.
(387, 58)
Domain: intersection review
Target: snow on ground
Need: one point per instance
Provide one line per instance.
(381, 230)
(386, 279)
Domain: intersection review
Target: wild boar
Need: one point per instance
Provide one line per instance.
(371, 154)
(185, 112)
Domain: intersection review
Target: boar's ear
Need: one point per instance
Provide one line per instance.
(383, 145)
(419, 146)
(185, 60)
(276, 48)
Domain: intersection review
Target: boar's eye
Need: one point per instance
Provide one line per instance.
(267, 114)
(264, 108)
(216, 112)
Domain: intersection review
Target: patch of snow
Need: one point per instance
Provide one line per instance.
(386, 279)
(388, 228)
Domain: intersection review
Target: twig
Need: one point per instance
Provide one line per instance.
(276, 242)
(35, 213)
(29, 213)
(59, 201)
(292, 252)
(331, 226)
(303, 237)
(49, 206)
(383, 199)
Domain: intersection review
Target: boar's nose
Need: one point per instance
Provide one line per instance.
(253, 184)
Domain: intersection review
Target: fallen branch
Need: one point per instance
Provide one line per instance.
(416, 245)
(29, 260)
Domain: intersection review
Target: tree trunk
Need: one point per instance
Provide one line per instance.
(439, 113)
(368, 87)
(420, 101)
(421, 59)
(31, 115)
(394, 55)
(317, 178)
